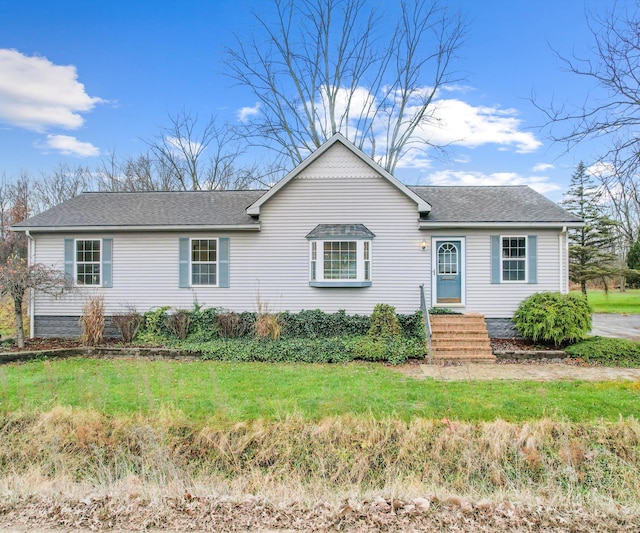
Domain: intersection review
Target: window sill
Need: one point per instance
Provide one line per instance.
(331, 284)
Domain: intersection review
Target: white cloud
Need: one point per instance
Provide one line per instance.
(450, 177)
(458, 123)
(246, 113)
(68, 145)
(542, 167)
(37, 95)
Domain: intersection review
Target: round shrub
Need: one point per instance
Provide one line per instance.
(552, 317)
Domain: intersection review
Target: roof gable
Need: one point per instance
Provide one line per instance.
(422, 205)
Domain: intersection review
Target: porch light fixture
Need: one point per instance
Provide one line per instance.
(424, 245)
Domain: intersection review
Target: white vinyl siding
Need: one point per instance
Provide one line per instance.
(273, 264)
(500, 300)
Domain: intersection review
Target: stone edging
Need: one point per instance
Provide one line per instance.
(530, 354)
(151, 354)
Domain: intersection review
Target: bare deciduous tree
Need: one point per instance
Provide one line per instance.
(194, 155)
(16, 277)
(322, 67)
(135, 173)
(612, 111)
(63, 183)
(15, 206)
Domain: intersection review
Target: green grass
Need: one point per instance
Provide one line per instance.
(228, 392)
(615, 301)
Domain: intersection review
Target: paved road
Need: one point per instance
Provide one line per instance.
(614, 325)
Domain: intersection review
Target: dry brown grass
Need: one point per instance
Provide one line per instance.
(92, 321)
(345, 455)
(268, 324)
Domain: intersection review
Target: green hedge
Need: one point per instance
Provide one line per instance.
(607, 351)
(395, 350)
(209, 324)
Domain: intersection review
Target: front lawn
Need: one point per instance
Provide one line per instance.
(615, 301)
(218, 392)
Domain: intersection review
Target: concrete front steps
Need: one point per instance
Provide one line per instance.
(460, 338)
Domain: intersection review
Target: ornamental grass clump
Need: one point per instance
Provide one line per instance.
(551, 317)
(92, 321)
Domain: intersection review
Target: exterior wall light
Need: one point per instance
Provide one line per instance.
(424, 245)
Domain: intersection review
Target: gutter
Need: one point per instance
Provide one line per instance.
(103, 229)
(31, 255)
(448, 225)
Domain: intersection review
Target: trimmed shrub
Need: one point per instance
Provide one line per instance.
(154, 329)
(552, 317)
(231, 325)
(384, 322)
(607, 351)
(127, 323)
(178, 323)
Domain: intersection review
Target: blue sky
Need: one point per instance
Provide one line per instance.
(80, 79)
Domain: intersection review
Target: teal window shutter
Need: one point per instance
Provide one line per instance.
(107, 263)
(496, 251)
(532, 257)
(184, 263)
(223, 262)
(69, 252)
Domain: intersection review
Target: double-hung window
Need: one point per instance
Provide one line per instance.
(340, 256)
(204, 262)
(514, 258)
(88, 261)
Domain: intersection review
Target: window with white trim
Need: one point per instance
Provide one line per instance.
(337, 261)
(204, 262)
(88, 258)
(514, 258)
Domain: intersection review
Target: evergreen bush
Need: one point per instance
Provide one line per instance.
(384, 322)
(607, 351)
(551, 317)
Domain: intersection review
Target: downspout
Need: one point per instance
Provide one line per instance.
(31, 255)
(564, 260)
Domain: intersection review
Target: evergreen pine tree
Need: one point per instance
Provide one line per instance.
(591, 247)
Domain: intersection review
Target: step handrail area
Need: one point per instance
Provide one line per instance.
(427, 323)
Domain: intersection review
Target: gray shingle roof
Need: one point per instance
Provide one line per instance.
(491, 204)
(131, 209)
(329, 231)
(511, 204)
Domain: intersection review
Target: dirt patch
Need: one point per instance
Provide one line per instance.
(210, 513)
(518, 345)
